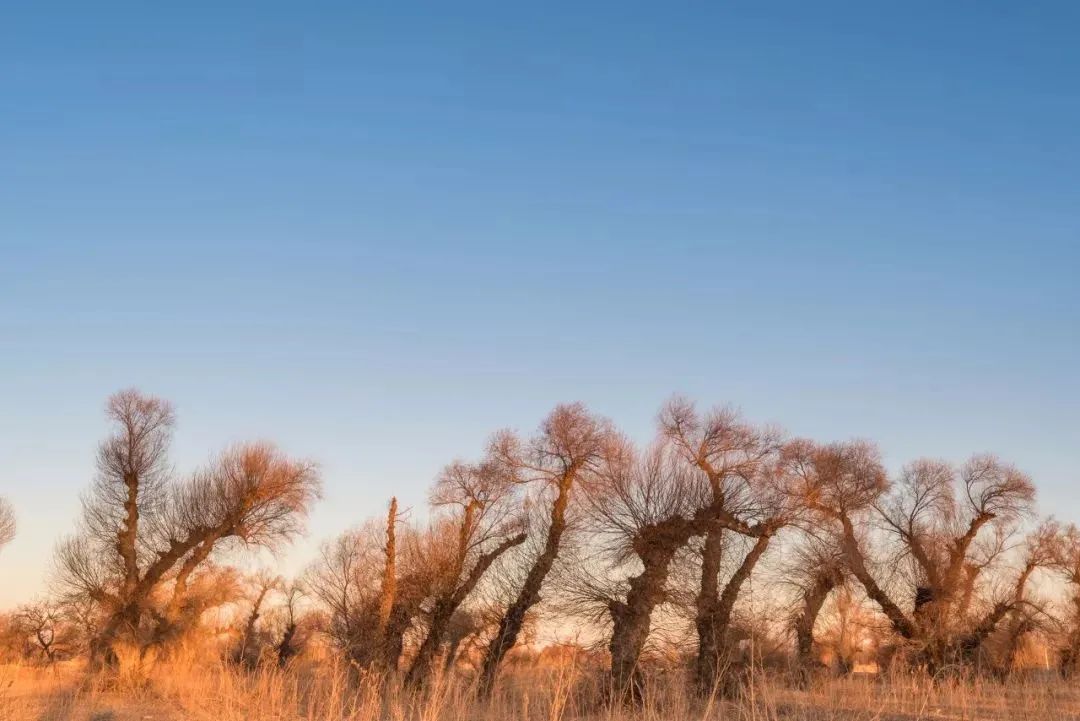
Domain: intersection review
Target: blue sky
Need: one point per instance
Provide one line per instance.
(376, 234)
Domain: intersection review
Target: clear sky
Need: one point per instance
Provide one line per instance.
(376, 234)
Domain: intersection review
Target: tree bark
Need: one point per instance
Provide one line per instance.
(857, 564)
(813, 599)
(512, 621)
(389, 648)
(632, 619)
(714, 619)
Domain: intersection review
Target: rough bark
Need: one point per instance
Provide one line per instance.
(389, 647)
(708, 597)
(714, 618)
(632, 619)
(857, 565)
(514, 619)
(813, 599)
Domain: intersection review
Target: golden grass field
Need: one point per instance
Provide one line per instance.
(319, 693)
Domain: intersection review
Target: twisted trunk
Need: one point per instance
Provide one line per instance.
(632, 619)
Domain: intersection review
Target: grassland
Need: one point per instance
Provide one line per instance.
(187, 692)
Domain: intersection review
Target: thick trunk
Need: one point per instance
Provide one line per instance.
(512, 621)
(970, 644)
(713, 625)
(857, 564)
(451, 654)
(1013, 640)
(287, 647)
(631, 620)
(127, 536)
(425, 656)
(812, 601)
(971, 574)
(390, 622)
(393, 638)
(1070, 656)
(102, 647)
(708, 597)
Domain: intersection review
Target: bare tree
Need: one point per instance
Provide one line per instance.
(647, 509)
(341, 580)
(49, 629)
(1015, 615)
(290, 642)
(143, 532)
(748, 494)
(1067, 563)
(570, 445)
(935, 513)
(816, 569)
(261, 585)
(347, 580)
(481, 517)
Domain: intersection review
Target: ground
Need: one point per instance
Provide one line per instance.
(223, 694)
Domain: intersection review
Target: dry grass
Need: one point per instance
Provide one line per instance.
(319, 693)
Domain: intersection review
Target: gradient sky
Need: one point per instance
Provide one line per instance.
(377, 234)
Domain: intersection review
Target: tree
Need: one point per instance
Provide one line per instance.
(47, 626)
(261, 586)
(1067, 563)
(747, 482)
(143, 535)
(816, 569)
(647, 510)
(1020, 613)
(571, 444)
(341, 580)
(291, 641)
(348, 581)
(701, 479)
(388, 651)
(934, 514)
(484, 527)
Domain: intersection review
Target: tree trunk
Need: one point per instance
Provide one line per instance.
(388, 647)
(713, 625)
(813, 599)
(708, 596)
(512, 621)
(249, 627)
(1070, 656)
(451, 654)
(857, 564)
(287, 648)
(393, 637)
(631, 620)
(102, 652)
(445, 609)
